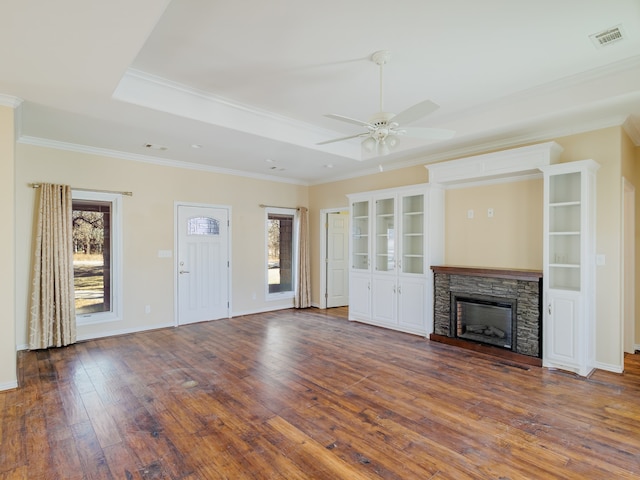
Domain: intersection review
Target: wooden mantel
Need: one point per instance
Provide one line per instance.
(526, 275)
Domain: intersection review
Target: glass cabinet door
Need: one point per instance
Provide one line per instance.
(360, 235)
(564, 231)
(412, 217)
(385, 235)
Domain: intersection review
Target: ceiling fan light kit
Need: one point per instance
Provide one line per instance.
(383, 128)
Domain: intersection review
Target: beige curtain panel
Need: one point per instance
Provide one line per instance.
(302, 298)
(52, 316)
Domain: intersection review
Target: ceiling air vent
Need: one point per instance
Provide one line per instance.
(608, 36)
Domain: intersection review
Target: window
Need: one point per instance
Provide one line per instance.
(281, 252)
(96, 257)
(203, 226)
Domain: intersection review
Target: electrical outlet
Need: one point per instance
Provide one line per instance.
(147, 309)
(490, 213)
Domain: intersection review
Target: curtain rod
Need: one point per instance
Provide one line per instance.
(262, 205)
(128, 194)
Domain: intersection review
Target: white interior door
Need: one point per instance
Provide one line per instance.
(203, 263)
(337, 259)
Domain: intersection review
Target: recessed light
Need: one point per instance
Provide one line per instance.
(154, 146)
(328, 165)
(268, 160)
(196, 145)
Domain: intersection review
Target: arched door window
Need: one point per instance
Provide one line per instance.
(203, 226)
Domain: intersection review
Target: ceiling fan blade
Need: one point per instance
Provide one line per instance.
(342, 118)
(429, 133)
(343, 138)
(416, 112)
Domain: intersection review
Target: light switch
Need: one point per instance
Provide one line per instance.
(469, 213)
(600, 260)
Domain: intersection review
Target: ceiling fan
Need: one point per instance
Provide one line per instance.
(383, 128)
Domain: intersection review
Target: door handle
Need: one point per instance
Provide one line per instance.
(184, 271)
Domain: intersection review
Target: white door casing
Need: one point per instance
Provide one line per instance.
(202, 263)
(628, 266)
(337, 259)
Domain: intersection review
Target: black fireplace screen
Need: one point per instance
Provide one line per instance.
(484, 319)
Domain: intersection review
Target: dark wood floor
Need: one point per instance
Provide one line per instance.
(307, 394)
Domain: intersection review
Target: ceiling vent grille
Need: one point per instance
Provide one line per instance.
(607, 37)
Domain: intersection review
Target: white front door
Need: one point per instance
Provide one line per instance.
(202, 263)
(337, 259)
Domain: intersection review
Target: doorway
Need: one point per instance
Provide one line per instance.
(628, 265)
(334, 245)
(202, 263)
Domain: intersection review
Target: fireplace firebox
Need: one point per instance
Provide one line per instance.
(484, 319)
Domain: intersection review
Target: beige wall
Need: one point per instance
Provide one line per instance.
(149, 226)
(512, 238)
(8, 377)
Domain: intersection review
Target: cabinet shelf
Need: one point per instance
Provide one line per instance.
(563, 233)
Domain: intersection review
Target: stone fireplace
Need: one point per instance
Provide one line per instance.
(493, 310)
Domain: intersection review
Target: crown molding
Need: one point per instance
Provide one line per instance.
(140, 88)
(74, 147)
(10, 101)
(632, 126)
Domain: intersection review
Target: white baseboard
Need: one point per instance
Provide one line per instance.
(122, 331)
(609, 367)
(261, 310)
(8, 386)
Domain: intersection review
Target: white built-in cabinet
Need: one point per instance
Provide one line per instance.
(395, 238)
(569, 266)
